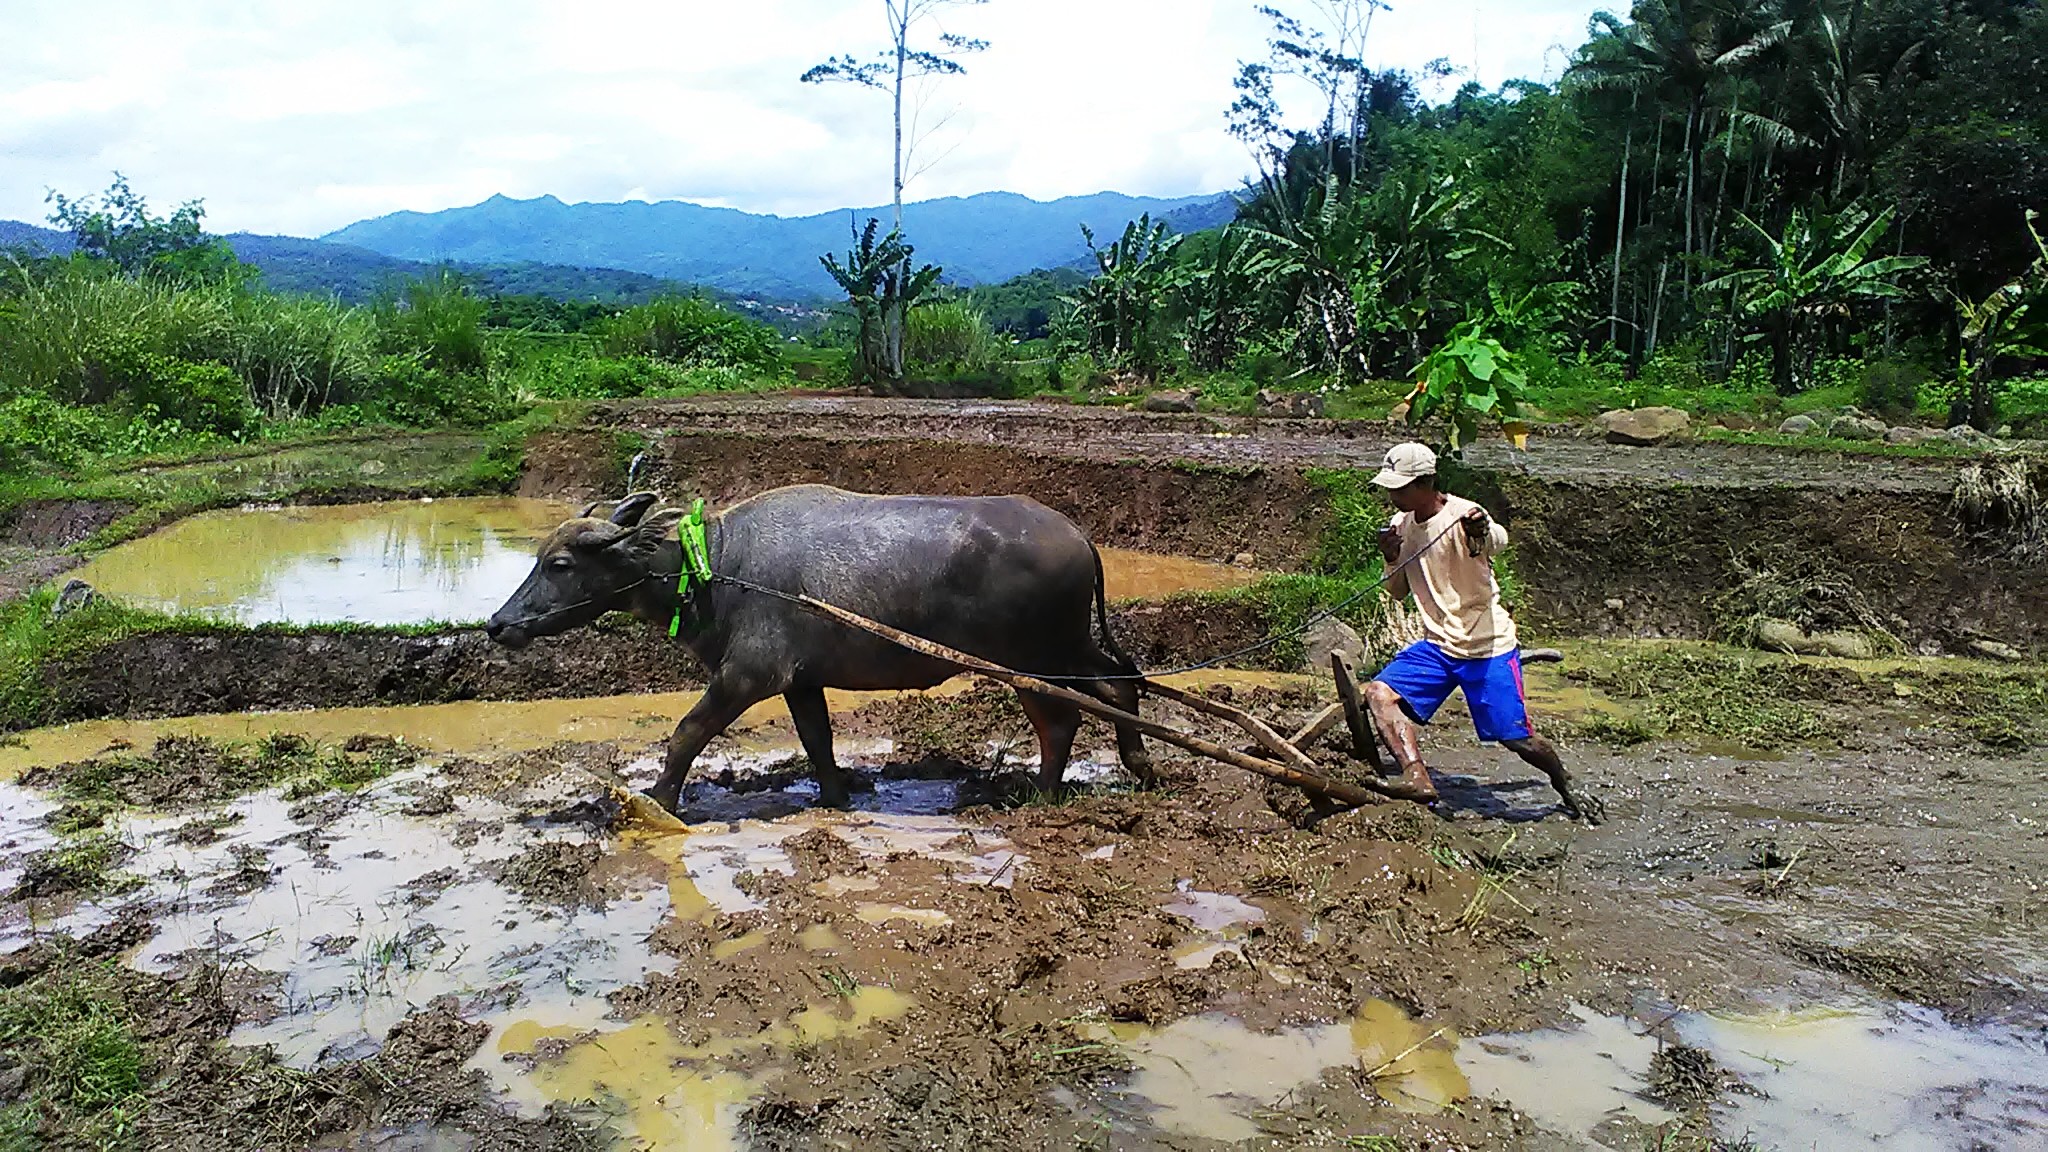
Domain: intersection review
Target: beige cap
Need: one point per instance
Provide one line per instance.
(1405, 464)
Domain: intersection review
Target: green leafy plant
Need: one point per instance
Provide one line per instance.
(1469, 378)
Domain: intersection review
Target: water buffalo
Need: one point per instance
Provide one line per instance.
(1004, 578)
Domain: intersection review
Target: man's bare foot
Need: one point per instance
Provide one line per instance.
(1414, 784)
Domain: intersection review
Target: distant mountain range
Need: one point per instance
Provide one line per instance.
(623, 253)
(977, 239)
(291, 264)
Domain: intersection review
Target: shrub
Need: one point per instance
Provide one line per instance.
(687, 330)
(413, 391)
(948, 338)
(439, 321)
(1890, 388)
(38, 431)
(205, 397)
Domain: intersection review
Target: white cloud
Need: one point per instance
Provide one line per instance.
(301, 117)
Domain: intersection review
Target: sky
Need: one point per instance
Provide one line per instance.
(301, 116)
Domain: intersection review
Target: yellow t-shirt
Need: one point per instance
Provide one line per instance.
(1455, 590)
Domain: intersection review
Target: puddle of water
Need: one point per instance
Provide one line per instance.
(884, 914)
(1570, 1080)
(391, 563)
(1130, 575)
(665, 1093)
(1207, 1075)
(1220, 921)
(1908, 1081)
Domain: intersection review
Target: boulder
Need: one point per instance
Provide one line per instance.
(1904, 434)
(1737, 422)
(1645, 427)
(1783, 636)
(1848, 427)
(1172, 400)
(1329, 636)
(1399, 415)
(1290, 405)
(1993, 650)
(1799, 426)
(1848, 645)
(76, 594)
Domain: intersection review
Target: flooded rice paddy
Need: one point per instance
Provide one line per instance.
(416, 562)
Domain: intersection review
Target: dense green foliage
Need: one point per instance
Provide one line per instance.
(1767, 197)
(151, 336)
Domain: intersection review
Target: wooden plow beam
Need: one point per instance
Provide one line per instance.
(1297, 770)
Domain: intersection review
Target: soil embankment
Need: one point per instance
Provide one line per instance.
(1666, 532)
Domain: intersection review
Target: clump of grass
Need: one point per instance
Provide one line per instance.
(84, 866)
(1803, 592)
(1761, 702)
(1685, 1077)
(2004, 505)
(186, 770)
(70, 1030)
(1618, 730)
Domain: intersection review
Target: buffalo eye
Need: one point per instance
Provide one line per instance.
(562, 563)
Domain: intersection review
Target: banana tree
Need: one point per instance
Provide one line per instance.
(1467, 379)
(1813, 273)
(1314, 257)
(1119, 316)
(2012, 321)
(881, 284)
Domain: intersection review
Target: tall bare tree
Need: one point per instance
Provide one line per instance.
(894, 70)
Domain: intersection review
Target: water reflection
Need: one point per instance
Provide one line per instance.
(392, 563)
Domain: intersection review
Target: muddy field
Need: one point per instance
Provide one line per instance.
(1814, 917)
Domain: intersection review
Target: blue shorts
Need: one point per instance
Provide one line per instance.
(1423, 675)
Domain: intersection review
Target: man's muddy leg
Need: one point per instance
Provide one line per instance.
(1399, 732)
(814, 729)
(1056, 723)
(1542, 754)
(721, 704)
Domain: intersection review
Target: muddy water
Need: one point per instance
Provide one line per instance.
(1900, 1078)
(492, 727)
(418, 561)
(390, 563)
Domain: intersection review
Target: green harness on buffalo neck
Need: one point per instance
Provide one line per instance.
(696, 562)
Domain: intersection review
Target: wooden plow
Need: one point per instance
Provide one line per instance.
(1284, 760)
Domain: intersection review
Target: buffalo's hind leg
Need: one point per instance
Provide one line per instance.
(1130, 743)
(722, 703)
(1056, 722)
(814, 728)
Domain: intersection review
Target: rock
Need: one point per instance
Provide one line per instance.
(76, 594)
(1964, 434)
(1245, 560)
(1329, 636)
(1616, 605)
(1857, 428)
(1908, 435)
(1783, 636)
(1290, 405)
(1848, 645)
(1171, 400)
(1400, 413)
(1994, 650)
(1799, 426)
(1737, 422)
(1645, 427)
(2004, 432)
(372, 468)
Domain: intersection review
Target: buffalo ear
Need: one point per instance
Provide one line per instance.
(632, 508)
(647, 537)
(588, 509)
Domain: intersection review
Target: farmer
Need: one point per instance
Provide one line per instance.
(1447, 545)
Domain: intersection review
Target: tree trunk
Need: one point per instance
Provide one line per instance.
(1620, 226)
(1781, 355)
(1692, 116)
